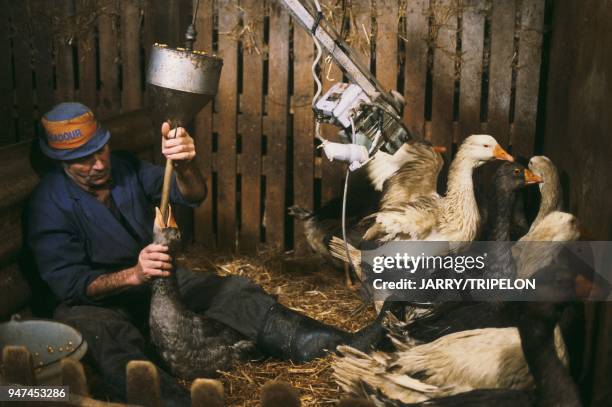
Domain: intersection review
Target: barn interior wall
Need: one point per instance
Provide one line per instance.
(578, 119)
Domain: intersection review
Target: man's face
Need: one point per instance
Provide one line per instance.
(91, 171)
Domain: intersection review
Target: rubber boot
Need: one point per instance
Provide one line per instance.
(289, 335)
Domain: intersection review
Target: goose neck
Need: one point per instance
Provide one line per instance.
(501, 214)
(551, 199)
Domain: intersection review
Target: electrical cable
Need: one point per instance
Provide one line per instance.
(344, 198)
(316, 77)
(317, 126)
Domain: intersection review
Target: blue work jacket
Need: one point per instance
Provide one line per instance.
(75, 238)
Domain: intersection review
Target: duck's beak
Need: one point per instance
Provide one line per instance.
(531, 178)
(159, 220)
(501, 154)
(439, 149)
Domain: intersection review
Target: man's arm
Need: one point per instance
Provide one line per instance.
(178, 145)
(153, 261)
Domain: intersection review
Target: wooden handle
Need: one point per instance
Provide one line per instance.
(165, 196)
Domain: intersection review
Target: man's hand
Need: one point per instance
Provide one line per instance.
(177, 144)
(153, 261)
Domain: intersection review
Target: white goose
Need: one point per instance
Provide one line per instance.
(550, 187)
(452, 364)
(453, 217)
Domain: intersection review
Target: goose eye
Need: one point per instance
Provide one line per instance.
(517, 171)
(486, 146)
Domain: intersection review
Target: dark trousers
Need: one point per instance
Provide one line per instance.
(117, 331)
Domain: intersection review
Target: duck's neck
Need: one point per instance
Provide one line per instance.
(554, 385)
(165, 294)
(550, 191)
(501, 214)
(459, 202)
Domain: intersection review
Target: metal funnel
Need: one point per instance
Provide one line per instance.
(181, 82)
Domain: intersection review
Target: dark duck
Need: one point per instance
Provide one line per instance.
(448, 317)
(189, 344)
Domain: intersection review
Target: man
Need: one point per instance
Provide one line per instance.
(90, 229)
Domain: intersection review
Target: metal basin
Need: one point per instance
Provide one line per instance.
(47, 341)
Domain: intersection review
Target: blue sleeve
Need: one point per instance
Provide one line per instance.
(60, 252)
(152, 179)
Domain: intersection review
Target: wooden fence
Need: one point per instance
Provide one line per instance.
(142, 385)
(464, 66)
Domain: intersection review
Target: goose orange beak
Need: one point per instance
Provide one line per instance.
(531, 178)
(501, 154)
(439, 149)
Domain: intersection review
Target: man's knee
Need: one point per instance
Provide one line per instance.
(107, 331)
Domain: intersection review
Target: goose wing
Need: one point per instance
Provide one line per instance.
(413, 220)
(417, 175)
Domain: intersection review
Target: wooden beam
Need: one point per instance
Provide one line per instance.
(109, 96)
(277, 130)
(228, 110)
(131, 96)
(528, 78)
(415, 74)
(503, 16)
(445, 42)
(472, 47)
(251, 128)
(203, 215)
(303, 130)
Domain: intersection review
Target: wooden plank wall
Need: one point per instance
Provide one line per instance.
(463, 67)
(577, 138)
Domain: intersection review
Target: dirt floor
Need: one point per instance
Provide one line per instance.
(305, 285)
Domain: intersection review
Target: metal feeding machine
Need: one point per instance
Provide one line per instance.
(181, 81)
(368, 115)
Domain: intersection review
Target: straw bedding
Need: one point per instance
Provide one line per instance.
(305, 285)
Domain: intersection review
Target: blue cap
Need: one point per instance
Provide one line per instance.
(71, 132)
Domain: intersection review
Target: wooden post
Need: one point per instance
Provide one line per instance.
(131, 97)
(207, 393)
(143, 384)
(275, 393)
(42, 47)
(73, 376)
(387, 19)
(64, 69)
(303, 130)
(251, 106)
(22, 55)
(203, 135)
(472, 41)
(6, 79)
(18, 368)
(86, 45)
(109, 96)
(416, 65)
(444, 43)
(228, 110)
(528, 78)
(277, 127)
(500, 70)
